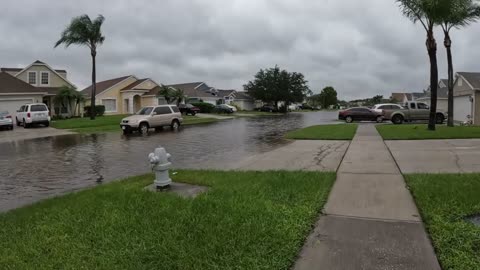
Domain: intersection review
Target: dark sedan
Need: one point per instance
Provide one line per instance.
(360, 114)
(188, 109)
(222, 108)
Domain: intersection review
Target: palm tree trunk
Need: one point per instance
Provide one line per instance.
(432, 54)
(93, 110)
(448, 45)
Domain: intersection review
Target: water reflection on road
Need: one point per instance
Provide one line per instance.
(40, 168)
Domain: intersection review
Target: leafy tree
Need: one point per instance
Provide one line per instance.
(83, 31)
(328, 97)
(274, 85)
(455, 14)
(377, 99)
(66, 96)
(179, 95)
(167, 92)
(428, 13)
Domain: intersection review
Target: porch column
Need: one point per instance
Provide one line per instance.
(130, 105)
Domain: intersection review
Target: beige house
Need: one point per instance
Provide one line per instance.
(125, 95)
(44, 80)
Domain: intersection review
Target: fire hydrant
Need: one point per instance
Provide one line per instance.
(160, 162)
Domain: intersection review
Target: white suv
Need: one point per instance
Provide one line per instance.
(152, 117)
(31, 114)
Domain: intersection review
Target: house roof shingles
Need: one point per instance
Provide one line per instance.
(243, 96)
(132, 85)
(194, 90)
(103, 85)
(10, 84)
(472, 77)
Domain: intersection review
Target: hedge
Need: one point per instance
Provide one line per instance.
(204, 107)
(99, 110)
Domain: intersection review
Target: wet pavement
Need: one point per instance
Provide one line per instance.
(32, 170)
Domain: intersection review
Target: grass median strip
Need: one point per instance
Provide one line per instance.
(444, 201)
(420, 132)
(110, 123)
(324, 132)
(247, 220)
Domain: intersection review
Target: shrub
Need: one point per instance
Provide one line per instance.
(99, 110)
(204, 107)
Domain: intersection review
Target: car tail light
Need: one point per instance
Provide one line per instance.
(28, 115)
(8, 116)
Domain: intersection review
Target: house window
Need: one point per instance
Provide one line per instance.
(45, 78)
(32, 77)
(110, 104)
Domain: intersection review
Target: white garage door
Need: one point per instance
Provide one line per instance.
(461, 108)
(13, 105)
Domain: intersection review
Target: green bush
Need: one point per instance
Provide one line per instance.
(99, 110)
(204, 107)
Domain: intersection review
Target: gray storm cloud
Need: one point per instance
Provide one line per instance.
(362, 48)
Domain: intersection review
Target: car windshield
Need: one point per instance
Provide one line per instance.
(145, 111)
(3, 113)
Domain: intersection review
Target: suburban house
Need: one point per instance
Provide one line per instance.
(200, 91)
(38, 82)
(466, 92)
(442, 96)
(125, 95)
(401, 98)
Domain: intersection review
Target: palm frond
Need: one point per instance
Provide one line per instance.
(82, 31)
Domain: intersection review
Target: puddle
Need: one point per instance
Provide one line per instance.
(474, 219)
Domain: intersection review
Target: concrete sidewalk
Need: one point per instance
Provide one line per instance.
(370, 221)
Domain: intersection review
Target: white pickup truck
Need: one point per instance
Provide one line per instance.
(415, 111)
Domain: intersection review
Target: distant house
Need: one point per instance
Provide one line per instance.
(442, 96)
(37, 82)
(399, 97)
(245, 102)
(125, 95)
(466, 92)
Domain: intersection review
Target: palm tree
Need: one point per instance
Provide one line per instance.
(167, 92)
(83, 31)
(427, 13)
(179, 95)
(455, 14)
(64, 98)
(78, 98)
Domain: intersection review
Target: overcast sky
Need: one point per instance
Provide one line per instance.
(362, 48)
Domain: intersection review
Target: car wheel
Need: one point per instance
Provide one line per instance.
(25, 125)
(18, 122)
(175, 124)
(440, 119)
(349, 119)
(379, 119)
(47, 124)
(397, 119)
(143, 128)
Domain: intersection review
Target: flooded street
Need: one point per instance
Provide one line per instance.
(31, 170)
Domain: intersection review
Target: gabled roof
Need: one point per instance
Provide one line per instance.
(104, 85)
(242, 95)
(11, 84)
(473, 78)
(38, 62)
(225, 93)
(132, 85)
(194, 90)
(443, 81)
(20, 69)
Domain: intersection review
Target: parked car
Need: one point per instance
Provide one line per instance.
(152, 117)
(232, 107)
(6, 121)
(387, 109)
(415, 111)
(268, 108)
(360, 114)
(222, 108)
(33, 114)
(188, 109)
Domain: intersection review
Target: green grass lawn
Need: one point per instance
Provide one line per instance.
(247, 220)
(109, 123)
(444, 201)
(420, 132)
(324, 132)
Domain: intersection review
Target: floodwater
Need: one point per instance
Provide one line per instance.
(32, 170)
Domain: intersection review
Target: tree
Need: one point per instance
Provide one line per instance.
(274, 85)
(428, 14)
(328, 97)
(78, 98)
(83, 31)
(167, 92)
(377, 99)
(178, 95)
(64, 98)
(455, 14)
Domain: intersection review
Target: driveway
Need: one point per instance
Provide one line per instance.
(20, 133)
(437, 156)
